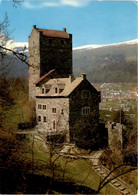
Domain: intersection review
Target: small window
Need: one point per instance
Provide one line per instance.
(56, 90)
(62, 112)
(43, 90)
(54, 124)
(47, 90)
(39, 106)
(39, 118)
(60, 90)
(54, 110)
(85, 110)
(44, 107)
(44, 119)
(85, 94)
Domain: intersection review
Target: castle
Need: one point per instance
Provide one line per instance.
(48, 50)
(62, 101)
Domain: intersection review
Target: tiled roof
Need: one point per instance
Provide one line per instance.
(69, 88)
(44, 76)
(53, 33)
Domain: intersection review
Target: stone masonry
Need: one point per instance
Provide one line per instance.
(48, 49)
(115, 138)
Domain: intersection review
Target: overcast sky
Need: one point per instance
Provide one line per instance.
(90, 22)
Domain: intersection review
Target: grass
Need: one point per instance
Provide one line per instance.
(78, 171)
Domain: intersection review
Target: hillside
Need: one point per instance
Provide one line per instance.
(10, 64)
(102, 63)
(109, 63)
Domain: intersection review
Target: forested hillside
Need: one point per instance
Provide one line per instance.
(117, 63)
(111, 63)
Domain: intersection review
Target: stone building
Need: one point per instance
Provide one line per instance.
(62, 101)
(49, 49)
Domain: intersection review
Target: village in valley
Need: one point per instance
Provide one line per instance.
(117, 93)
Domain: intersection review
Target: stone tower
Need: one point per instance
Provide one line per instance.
(49, 49)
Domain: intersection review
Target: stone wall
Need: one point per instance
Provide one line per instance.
(78, 102)
(56, 53)
(115, 138)
(34, 62)
(61, 116)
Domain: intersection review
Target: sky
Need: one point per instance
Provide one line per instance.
(91, 22)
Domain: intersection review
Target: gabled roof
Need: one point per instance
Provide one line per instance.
(44, 76)
(53, 33)
(70, 87)
(66, 85)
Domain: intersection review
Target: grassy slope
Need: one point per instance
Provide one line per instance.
(78, 171)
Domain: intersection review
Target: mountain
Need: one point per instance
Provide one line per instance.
(9, 63)
(102, 63)
(88, 47)
(107, 63)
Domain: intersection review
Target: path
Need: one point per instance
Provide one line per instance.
(117, 183)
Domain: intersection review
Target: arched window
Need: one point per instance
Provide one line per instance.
(54, 125)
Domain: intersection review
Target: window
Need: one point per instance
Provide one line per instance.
(85, 110)
(44, 119)
(44, 107)
(39, 118)
(85, 94)
(62, 112)
(56, 90)
(54, 124)
(60, 90)
(54, 110)
(47, 90)
(39, 106)
(43, 90)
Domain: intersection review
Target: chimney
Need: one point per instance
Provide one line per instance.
(64, 29)
(34, 26)
(83, 76)
(71, 78)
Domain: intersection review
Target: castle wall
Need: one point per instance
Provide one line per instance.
(115, 138)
